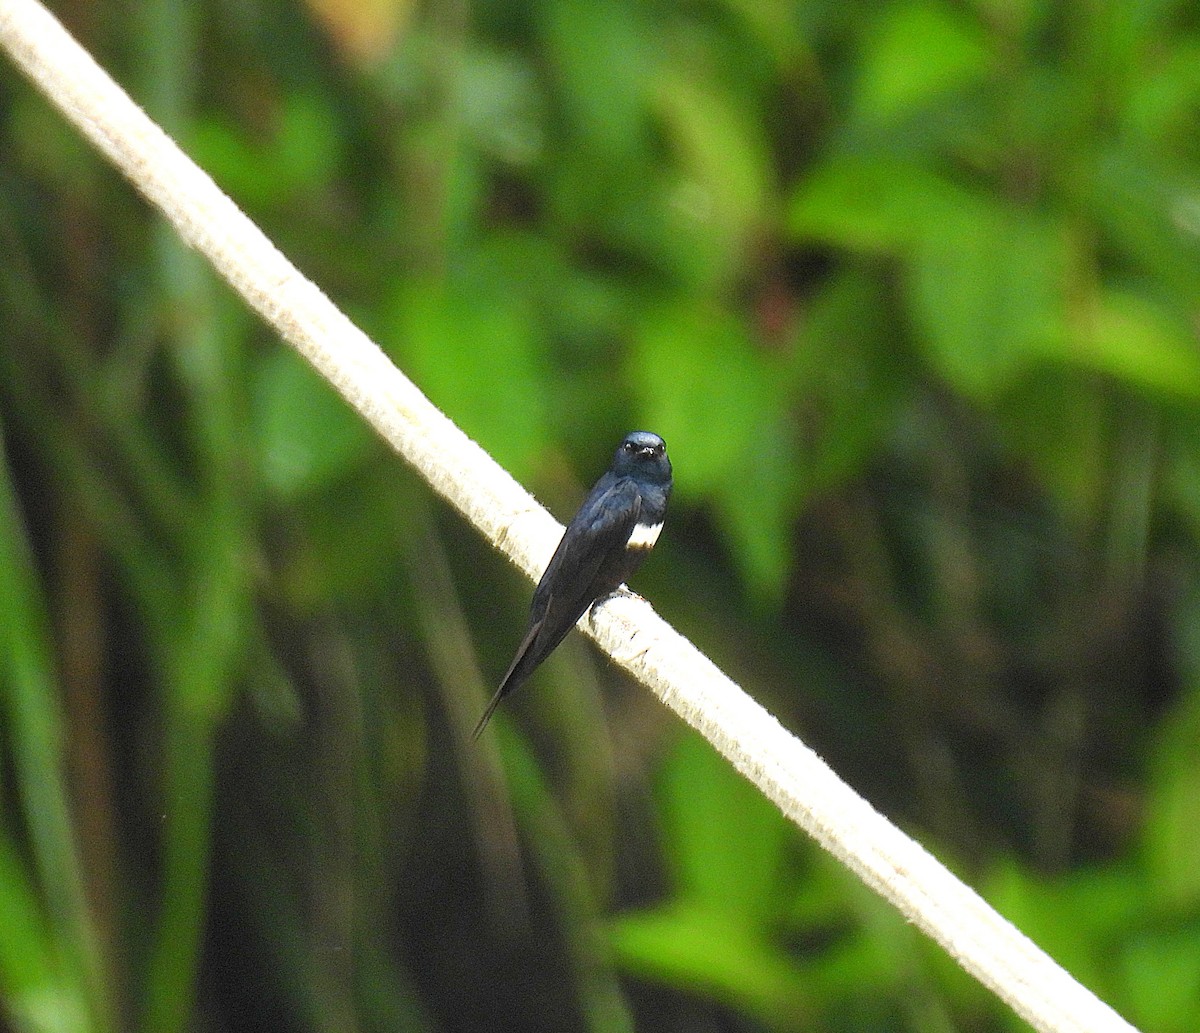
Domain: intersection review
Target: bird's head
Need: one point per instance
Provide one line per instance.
(643, 455)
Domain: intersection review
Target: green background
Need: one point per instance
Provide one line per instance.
(912, 290)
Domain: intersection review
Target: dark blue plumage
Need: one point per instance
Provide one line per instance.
(604, 543)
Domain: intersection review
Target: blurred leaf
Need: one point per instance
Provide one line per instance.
(500, 105)
(915, 52)
(604, 52)
(720, 403)
(757, 507)
(860, 940)
(306, 434)
(354, 533)
(870, 203)
(1181, 493)
(711, 952)
(850, 377)
(1015, 19)
(476, 351)
(1149, 208)
(33, 717)
(716, 933)
(739, 870)
(708, 388)
(986, 290)
(723, 158)
(50, 148)
(775, 27)
(296, 158)
(1131, 338)
(35, 995)
(1172, 828)
(1078, 919)
(1055, 404)
(1161, 108)
(1162, 979)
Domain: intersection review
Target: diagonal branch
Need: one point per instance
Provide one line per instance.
(787, 771)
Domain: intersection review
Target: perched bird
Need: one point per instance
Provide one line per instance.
(604, 543)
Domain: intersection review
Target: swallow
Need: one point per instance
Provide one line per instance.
(605, 542)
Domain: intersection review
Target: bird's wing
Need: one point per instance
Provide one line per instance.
(602, 525)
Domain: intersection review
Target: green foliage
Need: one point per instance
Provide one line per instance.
(49, 958)
(892, 86)
(718, 930)
(911, 290)
(754, 921)
(297, 459)
(709, 388)
(474, 350)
